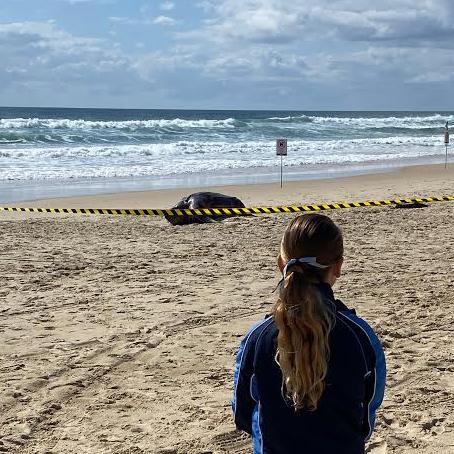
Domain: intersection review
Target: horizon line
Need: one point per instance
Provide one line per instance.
(229, 110)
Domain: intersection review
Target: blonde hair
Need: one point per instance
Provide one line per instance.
(303, 319)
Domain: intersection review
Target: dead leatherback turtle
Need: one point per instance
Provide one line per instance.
(203, 200)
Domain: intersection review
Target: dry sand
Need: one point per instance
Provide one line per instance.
(118, 334)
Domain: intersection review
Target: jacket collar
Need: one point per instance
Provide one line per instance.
(327, 292)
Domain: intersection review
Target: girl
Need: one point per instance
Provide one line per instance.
(310, 377)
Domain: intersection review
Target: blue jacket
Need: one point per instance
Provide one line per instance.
(345, 417)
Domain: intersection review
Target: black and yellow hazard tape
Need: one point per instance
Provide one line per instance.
(232, 211)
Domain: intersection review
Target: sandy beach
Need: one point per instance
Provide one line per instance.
(118, 334)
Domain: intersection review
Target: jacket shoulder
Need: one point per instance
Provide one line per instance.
(363, 333)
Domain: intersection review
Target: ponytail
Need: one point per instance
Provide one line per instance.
(303, 318)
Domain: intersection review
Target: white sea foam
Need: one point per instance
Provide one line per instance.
(60, 148)
(39, 123)
(407, 122)
(63, 162)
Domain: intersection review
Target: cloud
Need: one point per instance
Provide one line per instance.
(323, 42)
(164, 21)
(167, 6)
(41, 55)
(265, 38)
(358, 20)
(247, 49)
(124, 20)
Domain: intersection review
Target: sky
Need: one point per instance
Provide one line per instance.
(228, 54)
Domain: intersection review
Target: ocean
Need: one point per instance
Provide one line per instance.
(45, 152)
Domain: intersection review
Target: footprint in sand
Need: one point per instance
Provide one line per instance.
(232, 441)
(378, 447)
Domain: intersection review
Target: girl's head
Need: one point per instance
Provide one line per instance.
(311, 253)
(313, 235)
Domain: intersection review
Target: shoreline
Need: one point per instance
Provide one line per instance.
(404, 181)
(20, 191)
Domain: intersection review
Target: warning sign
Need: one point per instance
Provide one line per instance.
(281, 147)
(446, 137)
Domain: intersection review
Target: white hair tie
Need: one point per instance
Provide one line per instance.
(312, 261)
